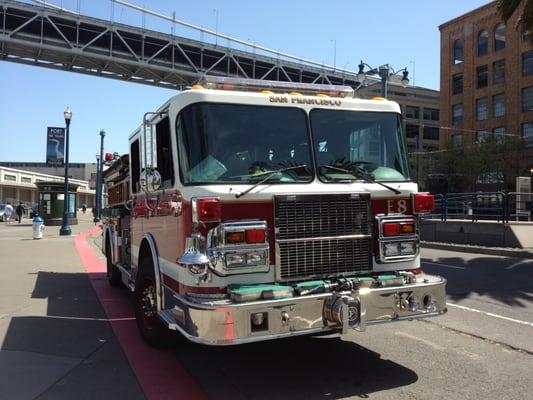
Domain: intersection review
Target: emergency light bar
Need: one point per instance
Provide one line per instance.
(247, 85)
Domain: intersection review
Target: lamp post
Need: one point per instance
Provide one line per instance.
(97, 188)
(65, 228)
(99, 173)
(384, 71)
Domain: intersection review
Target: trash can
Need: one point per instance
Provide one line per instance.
(38, 227)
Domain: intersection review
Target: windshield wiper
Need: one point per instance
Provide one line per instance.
(269, 175)
(361, 175)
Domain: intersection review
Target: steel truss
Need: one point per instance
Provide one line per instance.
(51, 38)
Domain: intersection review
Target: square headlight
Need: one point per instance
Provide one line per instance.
(408, 248)
(391, 249)
(255, 258)
(235, 260)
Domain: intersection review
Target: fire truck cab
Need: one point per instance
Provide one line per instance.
(252, 210)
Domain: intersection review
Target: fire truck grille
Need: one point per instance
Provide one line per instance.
(322, 235)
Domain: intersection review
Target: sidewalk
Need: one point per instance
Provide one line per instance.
(466, 248)
(56, 340)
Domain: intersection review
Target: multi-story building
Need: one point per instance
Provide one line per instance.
(81, 171)
(486, 80)
(421, 114)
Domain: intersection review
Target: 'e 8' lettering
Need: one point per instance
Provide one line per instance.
(396, 206)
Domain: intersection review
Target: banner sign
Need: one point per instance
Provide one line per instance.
(55, 146)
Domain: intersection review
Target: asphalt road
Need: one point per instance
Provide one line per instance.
(57, 343)
(481, 349)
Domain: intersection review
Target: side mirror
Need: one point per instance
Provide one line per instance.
(150, 180)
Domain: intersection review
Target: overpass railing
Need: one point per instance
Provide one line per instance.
(483, 206)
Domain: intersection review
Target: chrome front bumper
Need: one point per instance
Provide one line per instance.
(229, 323)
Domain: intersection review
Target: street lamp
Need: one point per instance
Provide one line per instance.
(99, 178)
(65, 228)
(97, 188)
(384, 71)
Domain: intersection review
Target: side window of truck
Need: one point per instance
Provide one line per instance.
(165, 165)
(135, 166)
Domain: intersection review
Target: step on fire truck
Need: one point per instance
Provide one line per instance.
(252, 210)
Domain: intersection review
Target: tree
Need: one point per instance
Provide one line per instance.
(507, 8)
(490, 165)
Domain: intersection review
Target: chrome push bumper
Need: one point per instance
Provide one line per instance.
(228, 323)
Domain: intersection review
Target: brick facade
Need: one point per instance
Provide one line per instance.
(467, 28)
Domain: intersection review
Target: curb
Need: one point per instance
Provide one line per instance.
(494, 251)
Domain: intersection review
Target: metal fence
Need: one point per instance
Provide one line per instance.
(492, 206)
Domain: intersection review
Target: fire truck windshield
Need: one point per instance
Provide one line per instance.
(366, 143)
(231, 143)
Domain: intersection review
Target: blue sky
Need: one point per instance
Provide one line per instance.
(398, 33)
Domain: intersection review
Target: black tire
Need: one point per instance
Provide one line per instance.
(152, 330)
(113, 273)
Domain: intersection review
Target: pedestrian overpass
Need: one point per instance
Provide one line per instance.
(49, 36)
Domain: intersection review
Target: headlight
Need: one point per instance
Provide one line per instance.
(393, 249)
(235, 260)
(255, 258)
(249, 259)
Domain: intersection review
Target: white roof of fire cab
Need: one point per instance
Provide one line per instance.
(306, 101)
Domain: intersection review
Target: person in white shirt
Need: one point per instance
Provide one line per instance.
(8, 211)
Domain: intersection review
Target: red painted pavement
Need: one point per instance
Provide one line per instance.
(158, 372)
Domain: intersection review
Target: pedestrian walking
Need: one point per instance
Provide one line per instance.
(20, 210)
(84, 207)
(8, 211)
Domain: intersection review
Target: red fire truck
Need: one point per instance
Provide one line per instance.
(252, 210)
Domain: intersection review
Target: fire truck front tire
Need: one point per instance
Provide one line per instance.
(150, 326)
(113, 273)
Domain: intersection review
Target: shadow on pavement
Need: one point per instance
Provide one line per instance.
(486, 276)
(75, 327)
(70, 352)
(296, 368)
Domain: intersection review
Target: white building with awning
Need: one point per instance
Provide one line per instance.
(18, 185)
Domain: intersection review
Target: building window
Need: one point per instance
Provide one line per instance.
(482, 136)
(457, 140)
(498, 105)
(411, 148)
(527, 99)
(499, 37)
(10, 178)
(498, 71)
(482, 76)
(431, 133)
(457, 51)
(527, 133)
(457, 114)
(412, 112)
(431, 114)
(411, 131)
(482, 43)
(527, 63)
(499, 134)
(457, 86)
(525, 34)
(25, 179)
(482, 109)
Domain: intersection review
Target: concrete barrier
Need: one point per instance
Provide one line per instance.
(480, 233)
